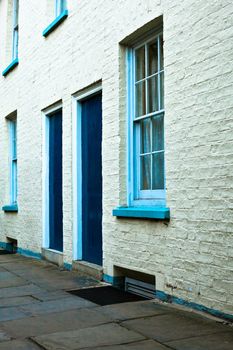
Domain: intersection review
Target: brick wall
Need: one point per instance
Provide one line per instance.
(193, 253)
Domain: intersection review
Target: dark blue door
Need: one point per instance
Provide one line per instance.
(92, 180)
(55, 182)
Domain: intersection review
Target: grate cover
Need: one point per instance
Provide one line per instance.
(106, 295)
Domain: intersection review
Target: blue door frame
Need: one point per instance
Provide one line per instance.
(91, 153)
(55, 182)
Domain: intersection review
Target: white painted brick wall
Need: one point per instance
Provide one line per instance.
(193, 252)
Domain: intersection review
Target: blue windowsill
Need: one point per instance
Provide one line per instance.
(11, 208)
(55, 23)
(11, 66)
(159, 213)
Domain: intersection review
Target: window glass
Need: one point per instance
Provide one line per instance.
(148, 122)
(140, 63)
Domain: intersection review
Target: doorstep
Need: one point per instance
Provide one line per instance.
(87, 268)
(53, 256)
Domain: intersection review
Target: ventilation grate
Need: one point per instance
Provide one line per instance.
(140, 288)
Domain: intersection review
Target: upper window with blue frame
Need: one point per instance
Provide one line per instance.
(12, 37)
(146, 123)
(15, 29)
(60, 13)
(60, 6)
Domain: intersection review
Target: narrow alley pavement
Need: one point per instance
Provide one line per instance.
(36, 312)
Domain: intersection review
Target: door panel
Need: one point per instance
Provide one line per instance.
(92, 179)
(55, 182)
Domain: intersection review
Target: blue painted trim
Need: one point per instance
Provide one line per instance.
(173, 299)
(159, 213)
(114, 280)
(11, 66)
(6, 246)
(29, 253)
(55, 23)
(11, 208)
(67, 266)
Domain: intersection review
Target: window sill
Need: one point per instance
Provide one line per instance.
(11, 66)
(159, 213)
(55, 23)
(11, 208)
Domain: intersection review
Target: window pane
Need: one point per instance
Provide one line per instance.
(161, 52)
(157, 133)
(145, 136)
(16, 12)
(158, 171)
(162, 90)
(153, 94)
(145, 172)
(153, 58)
(13, 140)
(140, 99)
(15, 44)
(14, 182)
(140, 63)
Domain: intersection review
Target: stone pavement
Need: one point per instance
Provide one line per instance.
(36, 313)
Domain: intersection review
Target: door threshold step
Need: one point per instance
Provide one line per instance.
(89, 269)
(53, 256)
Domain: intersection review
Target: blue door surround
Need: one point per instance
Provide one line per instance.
(55, 182)
(91, 135)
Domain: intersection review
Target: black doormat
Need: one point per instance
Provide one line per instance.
(106, 295)
(3, 252)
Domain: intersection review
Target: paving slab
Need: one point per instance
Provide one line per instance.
(10, 258)
(53, 280)
(142, 345)
(53, 323)
(174, 326)
(2, 269)
(3, 337)
(17, 301)
(51, 295)
(8, 279)
(219, 341)
(59, 305)
(19, 345)
(28, 289)
(103, 335)
(10, 313)
(135, 310)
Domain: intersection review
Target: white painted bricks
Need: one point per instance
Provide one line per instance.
(193, 253)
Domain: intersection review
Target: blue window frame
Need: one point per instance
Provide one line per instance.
(13, 161)
(15, 39)
(146, 185)
(61, 13)
(60, 6)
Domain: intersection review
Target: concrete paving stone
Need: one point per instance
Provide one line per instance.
(2, 269)
(9, 313)
(19, 345)
(137, 309)
(142, 345)
(17, 301)
(10, 258)
(53, 323)
(8, 279)
(57, 280)
(219, 341)
(174, 326)
(103, 335)
(56, 306)
(28, 289)
(52, 295)
(3, 336)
